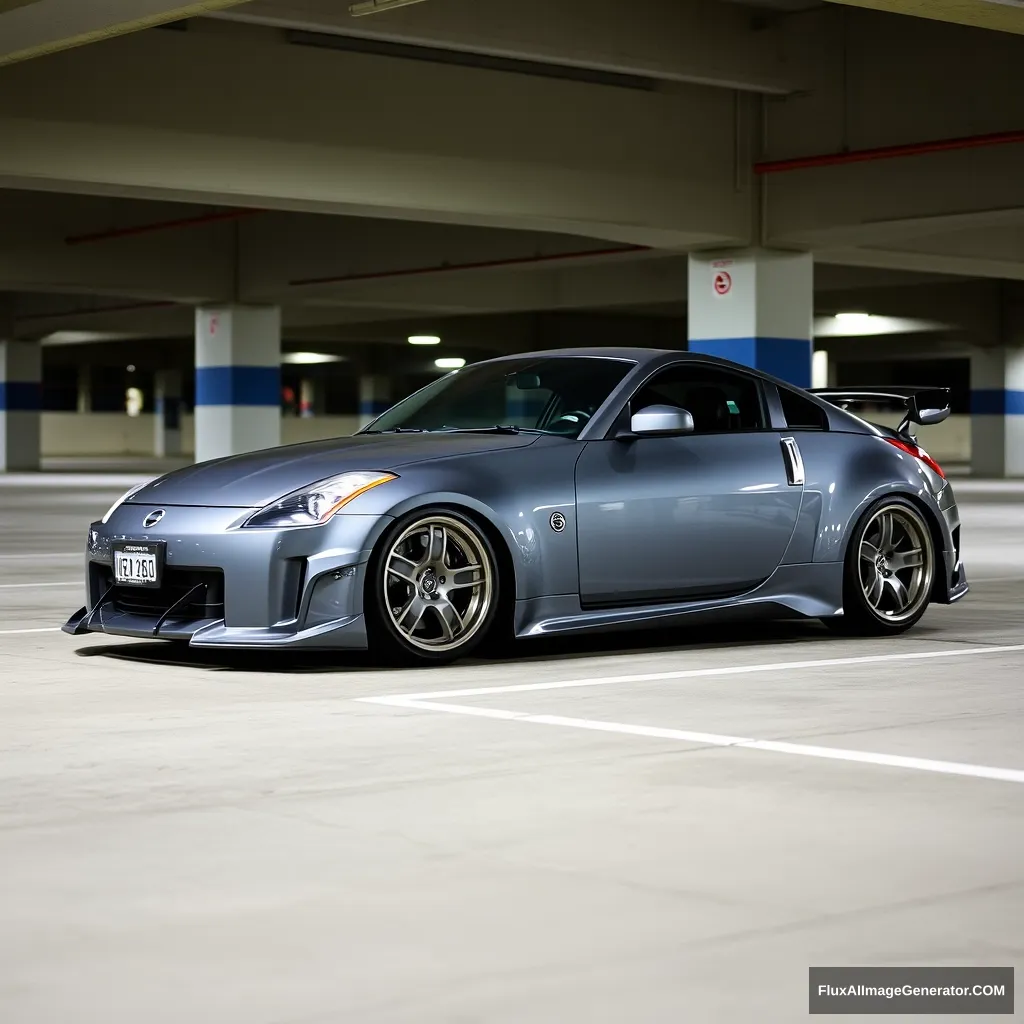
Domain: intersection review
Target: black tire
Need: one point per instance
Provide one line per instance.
(445, 591)
(874, 571)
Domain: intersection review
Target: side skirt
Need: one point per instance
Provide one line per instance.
(812, 590)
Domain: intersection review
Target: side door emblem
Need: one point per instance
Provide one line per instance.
(557, 522)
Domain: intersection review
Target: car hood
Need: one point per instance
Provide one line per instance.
(259, 478)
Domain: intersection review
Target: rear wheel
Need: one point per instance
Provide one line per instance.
(889, 571)
(433, 589)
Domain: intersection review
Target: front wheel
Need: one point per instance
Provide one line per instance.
(889, 571)
(433, 588)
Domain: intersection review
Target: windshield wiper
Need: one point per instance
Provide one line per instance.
(396, 430)
(498, 428)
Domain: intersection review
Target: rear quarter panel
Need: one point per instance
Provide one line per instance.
(846, 472)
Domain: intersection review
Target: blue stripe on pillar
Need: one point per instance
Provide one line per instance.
(997, 402)
(238, 385)
(21, 395)
(786, 358)
(373, 407)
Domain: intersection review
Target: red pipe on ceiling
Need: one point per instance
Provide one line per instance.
(479, 265)
(888, 152)
(163, 225)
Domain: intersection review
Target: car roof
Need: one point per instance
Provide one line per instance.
(638, 355)
(652, 358)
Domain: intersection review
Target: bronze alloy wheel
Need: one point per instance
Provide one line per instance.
(889, 572)
(895, 563)
(439, 583)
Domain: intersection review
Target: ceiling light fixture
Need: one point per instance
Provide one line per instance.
(862, 325)
(309, 358)
(424, 339)
(373, 6)
(450, 363)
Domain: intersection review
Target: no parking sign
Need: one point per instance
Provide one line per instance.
(721, 279)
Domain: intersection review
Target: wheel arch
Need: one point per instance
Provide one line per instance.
(487, 521)
(928, 514)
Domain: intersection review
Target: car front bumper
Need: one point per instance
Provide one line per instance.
(228, 586)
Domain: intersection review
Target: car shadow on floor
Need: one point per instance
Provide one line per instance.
(676, 640)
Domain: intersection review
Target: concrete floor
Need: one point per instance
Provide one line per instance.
(187, 838)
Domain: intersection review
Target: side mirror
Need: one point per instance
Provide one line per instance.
(661, 421)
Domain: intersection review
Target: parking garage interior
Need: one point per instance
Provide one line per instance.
(329, 205)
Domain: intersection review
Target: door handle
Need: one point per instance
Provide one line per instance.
(794, 461)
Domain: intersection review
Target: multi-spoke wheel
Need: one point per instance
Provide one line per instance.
(436, 587)
(890, 569)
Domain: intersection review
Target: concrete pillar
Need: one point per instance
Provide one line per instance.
(20, 404)
(307, 398)
(167, 414)
(756, 307)
(238, 380)
(84, 402)
(374, 397)
(997, 412)
(819, 369)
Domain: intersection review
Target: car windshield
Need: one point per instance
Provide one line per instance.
(551, 394)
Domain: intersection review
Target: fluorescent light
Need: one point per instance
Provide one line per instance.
(82, 337)
(373, 6)
(424, 339)
(862, 325)
(450, 363)
(309, 358)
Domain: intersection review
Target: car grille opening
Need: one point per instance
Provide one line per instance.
(207, 603)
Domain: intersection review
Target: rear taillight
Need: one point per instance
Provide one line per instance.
(918, 453)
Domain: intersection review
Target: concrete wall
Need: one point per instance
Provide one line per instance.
(100, 434)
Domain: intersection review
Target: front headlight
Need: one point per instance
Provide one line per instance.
(314, 505)
(120, 501)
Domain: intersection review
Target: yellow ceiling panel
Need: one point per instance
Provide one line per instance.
(55, 42)
(999, 15)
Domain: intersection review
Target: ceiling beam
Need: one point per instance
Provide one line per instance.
(701, 42)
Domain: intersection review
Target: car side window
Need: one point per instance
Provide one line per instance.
(801, 413)
(718, 400)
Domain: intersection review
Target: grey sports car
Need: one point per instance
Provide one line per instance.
(549, 493)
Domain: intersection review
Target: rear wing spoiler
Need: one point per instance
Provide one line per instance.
(924, 405)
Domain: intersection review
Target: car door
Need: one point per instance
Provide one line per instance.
(701, 515)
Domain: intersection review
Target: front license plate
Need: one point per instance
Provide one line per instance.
(138, 564)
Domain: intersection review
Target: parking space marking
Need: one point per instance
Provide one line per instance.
(41, 629)
(437, 702)
(697, 673)
(707, 739)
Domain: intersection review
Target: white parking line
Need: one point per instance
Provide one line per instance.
(695, 673)
(44, 629)
(63, 583)
(435, 702)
